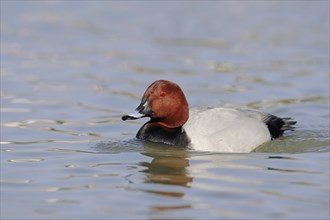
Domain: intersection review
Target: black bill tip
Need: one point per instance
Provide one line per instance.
(127, 117)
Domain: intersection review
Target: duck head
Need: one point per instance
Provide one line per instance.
(165, 103)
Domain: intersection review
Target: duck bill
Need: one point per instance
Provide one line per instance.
(143, 110)
(133, 116)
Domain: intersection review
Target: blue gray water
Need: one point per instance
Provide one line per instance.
(70, 70)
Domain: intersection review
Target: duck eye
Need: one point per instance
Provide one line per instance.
(162, 94)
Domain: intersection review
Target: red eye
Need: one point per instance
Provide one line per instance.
(162, 94)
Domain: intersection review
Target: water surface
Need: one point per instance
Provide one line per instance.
(70, 70)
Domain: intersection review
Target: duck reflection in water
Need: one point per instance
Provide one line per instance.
(169, 166)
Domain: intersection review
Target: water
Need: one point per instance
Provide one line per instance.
(70, 70)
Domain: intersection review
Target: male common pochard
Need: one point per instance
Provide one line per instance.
(206, 129)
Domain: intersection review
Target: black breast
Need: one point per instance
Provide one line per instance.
(156, 133)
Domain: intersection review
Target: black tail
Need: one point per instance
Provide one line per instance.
(277, 126)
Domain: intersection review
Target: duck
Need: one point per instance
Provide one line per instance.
(216, 129)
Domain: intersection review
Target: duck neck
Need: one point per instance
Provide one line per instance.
(156, 132)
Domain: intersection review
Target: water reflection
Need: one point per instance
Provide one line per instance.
(167, 170)
(169, 208)
(168, 166)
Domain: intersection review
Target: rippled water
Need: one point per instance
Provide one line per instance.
(69, 70)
